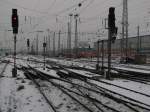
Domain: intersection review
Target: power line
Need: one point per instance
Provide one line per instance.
(98, 16)
(25, 8)
(63, 11)
(69, 8)
(90, 3)
(56, 14)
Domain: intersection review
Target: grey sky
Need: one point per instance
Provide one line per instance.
(53, 15)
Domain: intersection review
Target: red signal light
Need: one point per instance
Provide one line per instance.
(14, 18)
(14, 21)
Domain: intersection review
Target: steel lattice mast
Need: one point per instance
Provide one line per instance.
(124, 40)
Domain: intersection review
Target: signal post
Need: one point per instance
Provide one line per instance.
(15, 25)
(28, 47)
(112, 32)
(44, 46)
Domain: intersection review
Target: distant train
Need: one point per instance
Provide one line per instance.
(135, 45)
(82, 53)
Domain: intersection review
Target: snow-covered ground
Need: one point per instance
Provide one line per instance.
(21, 95)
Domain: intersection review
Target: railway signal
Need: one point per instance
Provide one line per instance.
(28, 43)
(111, 24)
(44, 44)
(15, 25)
(111, 18)
(112, 32)
(15, 21)
(28, 46)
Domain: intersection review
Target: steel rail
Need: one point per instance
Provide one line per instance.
(98, 92)
(136, 103)
(38, 86)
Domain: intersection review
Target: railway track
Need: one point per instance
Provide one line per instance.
(65, 92)
(84, 96)
(128, 75)
(40, 90)
(127, 102)
(123, 88)
(123, 74)
(107, 93)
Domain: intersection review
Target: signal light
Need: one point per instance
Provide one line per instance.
(28, 43)
(111, 24)
(89, 47)
(79, 4)
(15, 21)
(44, 44)
(14, 18)
(111, 18)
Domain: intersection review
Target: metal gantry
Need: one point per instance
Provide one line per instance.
(76, 35)
(124, 40)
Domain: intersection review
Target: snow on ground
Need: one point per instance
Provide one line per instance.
(135, 66)
(133, 69)
(84, 73)
(130, 94)
(92, 64)
(19, 94)
(136, 86)
(48, 71)
(62, 102)
(71, 62)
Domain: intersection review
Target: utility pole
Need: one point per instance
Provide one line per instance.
(70, 35)
(44, 48)
(126, 25)
(106, 23)
(37, 42)
(49, 40)
(34, 44)
(68, 38)
(59, 42)
(102, 53)
(76, 34)
(15, 68)
(46, 45)
(28, 47)
(109, 54)
(98, 49)
(125, 28)
(138, 39)
(54, 44)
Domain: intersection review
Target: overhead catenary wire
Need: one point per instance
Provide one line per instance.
(59, 13)
(86, 21)
(25, 8)
(90, 3)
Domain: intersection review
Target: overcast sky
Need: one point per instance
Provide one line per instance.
(35, 15)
